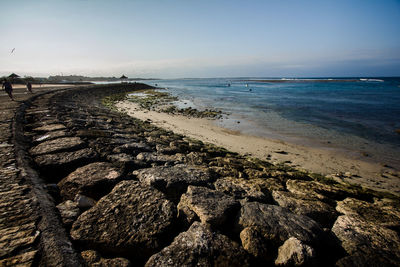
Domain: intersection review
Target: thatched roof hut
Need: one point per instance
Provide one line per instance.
(13, 76)
(123, 78)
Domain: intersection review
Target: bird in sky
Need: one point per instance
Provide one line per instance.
(12, 50)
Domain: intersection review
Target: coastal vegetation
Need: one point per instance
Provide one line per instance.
(151, 99)
(164, 102)
(109, 101)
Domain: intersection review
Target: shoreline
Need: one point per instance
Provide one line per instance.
(336, 164)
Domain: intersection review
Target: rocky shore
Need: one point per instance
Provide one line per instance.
(95, 187)
(153, 100)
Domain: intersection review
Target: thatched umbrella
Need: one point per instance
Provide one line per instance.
(13, 76)
(123, 78)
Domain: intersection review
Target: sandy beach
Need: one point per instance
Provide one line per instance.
(338, 165)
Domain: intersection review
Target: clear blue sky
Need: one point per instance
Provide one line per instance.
(146, 38)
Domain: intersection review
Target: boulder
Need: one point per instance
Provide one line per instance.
(228, 162)
(210, 206)
(319, 211)
(49, 128)
(105, 146)
(366, 237)
(278, 224)
(51, 135)
(127, 133)
(256, 189)
(174, 180)
(179, 146)
(22, 259)
(84, 202)
(200, 246)
(164, 149)
(132, 220)
(366, 258)
(226, 172)
(63, 144)
(123, 160)
(318, 190)
(93, 180)
(255, 173)
(186, 215)
(255, 243)
(132, 148)
(58, 163)
(379, 214)
(69, 211)
(158, 159)
(92, 258)
(196, 158)
(92, 133)
(194, 144)
(114, 141)
(295, 253)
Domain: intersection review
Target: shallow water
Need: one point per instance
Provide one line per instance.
(351, 114)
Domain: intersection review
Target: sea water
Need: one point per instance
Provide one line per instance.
(360, 115)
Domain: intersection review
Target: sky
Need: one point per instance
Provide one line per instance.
(187, 38)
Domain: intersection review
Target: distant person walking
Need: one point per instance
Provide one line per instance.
(8, 88)
(29, 87)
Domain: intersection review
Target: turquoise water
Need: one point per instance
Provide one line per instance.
(354, 114)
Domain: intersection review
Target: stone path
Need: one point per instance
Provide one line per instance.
(82, 185)
(19, 233)
(30, 231)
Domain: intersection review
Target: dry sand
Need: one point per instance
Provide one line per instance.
(341, 166)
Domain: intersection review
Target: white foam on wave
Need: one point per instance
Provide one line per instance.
(371, 80)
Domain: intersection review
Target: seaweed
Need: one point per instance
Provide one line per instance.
(109, 101)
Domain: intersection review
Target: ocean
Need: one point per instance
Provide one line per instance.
(357, 115)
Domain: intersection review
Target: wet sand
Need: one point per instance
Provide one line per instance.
(340, 166)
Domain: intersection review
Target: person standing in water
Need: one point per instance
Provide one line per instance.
(8, 88)
(29, 87)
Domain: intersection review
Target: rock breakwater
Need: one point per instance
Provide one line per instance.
(129, 193)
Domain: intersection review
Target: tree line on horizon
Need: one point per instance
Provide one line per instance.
(16, 79)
